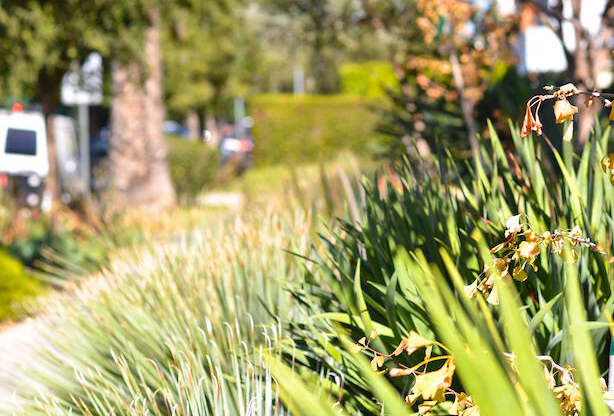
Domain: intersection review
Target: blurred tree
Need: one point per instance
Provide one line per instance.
(588, 54)
(201, 49)
(444, 53)
(38, 42)
(319, 25)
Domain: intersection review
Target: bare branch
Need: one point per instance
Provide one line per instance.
(557, 14)
(606, 20)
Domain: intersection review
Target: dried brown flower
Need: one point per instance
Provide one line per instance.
(563, 110)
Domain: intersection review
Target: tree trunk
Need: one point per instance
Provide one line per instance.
(467, 106)
(138, 151)
(52, 184)
(211, 125)
(128, 142)
(193, 124)
(584, 74)
(160, 189)
(586, 120)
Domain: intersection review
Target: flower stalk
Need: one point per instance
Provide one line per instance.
(563, 109)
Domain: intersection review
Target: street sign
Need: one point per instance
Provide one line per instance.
(83, 85)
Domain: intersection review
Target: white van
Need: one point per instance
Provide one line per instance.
(23, 154)
(23, 144)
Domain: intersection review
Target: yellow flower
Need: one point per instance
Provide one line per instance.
(472, 411)
(425, 407)
(519, 274)
(433, 385)
(531, 236)
(377, 362)
(463, 405)
(400, 372)
(528, 249)
(563, 110)
(412, 343)
(607, 163)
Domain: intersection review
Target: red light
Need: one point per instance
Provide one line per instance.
(17, 107)
(4, 180)
(245, 146)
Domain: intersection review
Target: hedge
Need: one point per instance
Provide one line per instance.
(291, 128)
(368, 79)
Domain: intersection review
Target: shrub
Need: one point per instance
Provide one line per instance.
(60, 252)
(290, 129)
(192, 166)
(368, 79)
(15, 286)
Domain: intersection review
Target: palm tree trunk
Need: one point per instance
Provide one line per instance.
(138, 151)
(160, 188)
(48, 93)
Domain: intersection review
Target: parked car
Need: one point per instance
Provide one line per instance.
(236, 152)
(24, 162)
(99, 145)
(175, 128)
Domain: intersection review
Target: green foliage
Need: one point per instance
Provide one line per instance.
(497, 365)
(192, 165)
(38, 43)
(196, 77)
(16, 286)
(59, 253)
(367, 79)
(317, 26)
(290, 129)
(433, 207)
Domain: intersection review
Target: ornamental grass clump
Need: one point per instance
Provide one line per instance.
(179, 328)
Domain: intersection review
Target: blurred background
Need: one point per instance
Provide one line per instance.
(111, 106)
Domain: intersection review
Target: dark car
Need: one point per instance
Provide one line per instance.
(176, 129)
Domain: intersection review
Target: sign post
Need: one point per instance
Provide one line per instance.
(82, 87)
(84, 147)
